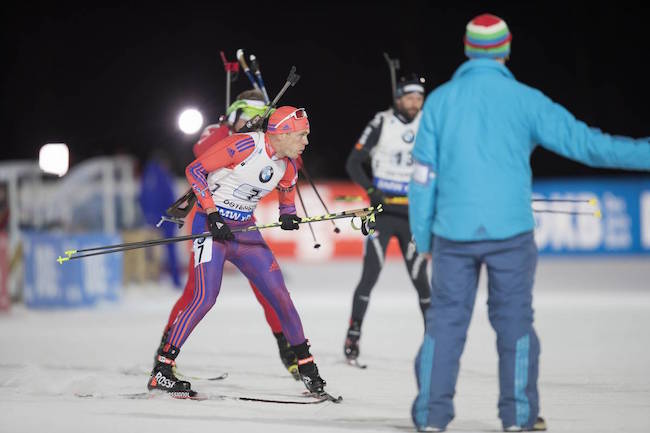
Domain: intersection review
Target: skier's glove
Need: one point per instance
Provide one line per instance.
(289, 221)
(218, 227)
(368, 225)
(376, 196)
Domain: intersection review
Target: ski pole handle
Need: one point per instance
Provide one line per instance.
(244, 65)
(255, 66)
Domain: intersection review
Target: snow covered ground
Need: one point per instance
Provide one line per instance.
(593, 318)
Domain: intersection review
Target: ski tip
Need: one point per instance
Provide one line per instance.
(62, 259)
(355, 363)
(70, 252)
(598, 214)
(593, 201)
(325, 396)
(220, 377)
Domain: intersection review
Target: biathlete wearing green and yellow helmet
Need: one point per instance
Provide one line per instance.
(245, 109)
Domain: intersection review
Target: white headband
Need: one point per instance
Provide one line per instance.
(409, 88)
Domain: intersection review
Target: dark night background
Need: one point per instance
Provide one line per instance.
(107, 80)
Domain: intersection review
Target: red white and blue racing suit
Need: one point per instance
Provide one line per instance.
(210, 136)
(232, 176)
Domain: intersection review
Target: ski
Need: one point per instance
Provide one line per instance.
(317, 398)
(222, 376)
(138, 372)
(326, 396)
(181, 395)
(355, 363)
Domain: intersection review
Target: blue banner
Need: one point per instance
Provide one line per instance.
(75, 283)
(623, 229)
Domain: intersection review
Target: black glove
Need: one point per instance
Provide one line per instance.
(289, 221)
(368, 225)
(376, 196)
(218, 227)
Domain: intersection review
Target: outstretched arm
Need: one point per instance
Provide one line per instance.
(558, 130)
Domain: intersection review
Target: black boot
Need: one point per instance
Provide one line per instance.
(351, 348)
(308, 370)
(163, 341)
(287, 355)
(163, 378)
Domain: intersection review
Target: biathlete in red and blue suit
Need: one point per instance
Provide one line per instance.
(248, 104)
(229, 179)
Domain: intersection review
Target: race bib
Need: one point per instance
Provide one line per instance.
(202, 250)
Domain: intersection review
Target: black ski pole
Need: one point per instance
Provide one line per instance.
(362, 213)
(313, 185)
(304, 209)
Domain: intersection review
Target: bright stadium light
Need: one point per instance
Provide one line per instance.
(190, 121)
(54, 158)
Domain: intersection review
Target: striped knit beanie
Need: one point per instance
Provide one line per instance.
(487, 36)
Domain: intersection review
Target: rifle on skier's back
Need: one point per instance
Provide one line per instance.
(181, 207)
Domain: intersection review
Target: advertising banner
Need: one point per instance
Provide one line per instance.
(76, 283)
(622, 229)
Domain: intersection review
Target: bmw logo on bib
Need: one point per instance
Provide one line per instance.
(266, 174)
(408, 136)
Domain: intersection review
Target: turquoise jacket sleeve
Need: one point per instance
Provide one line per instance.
(557, 130)
(422, 187)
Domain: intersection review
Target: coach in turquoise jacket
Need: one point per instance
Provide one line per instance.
(470, 203)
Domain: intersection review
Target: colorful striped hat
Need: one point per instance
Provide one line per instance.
(487, 36)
